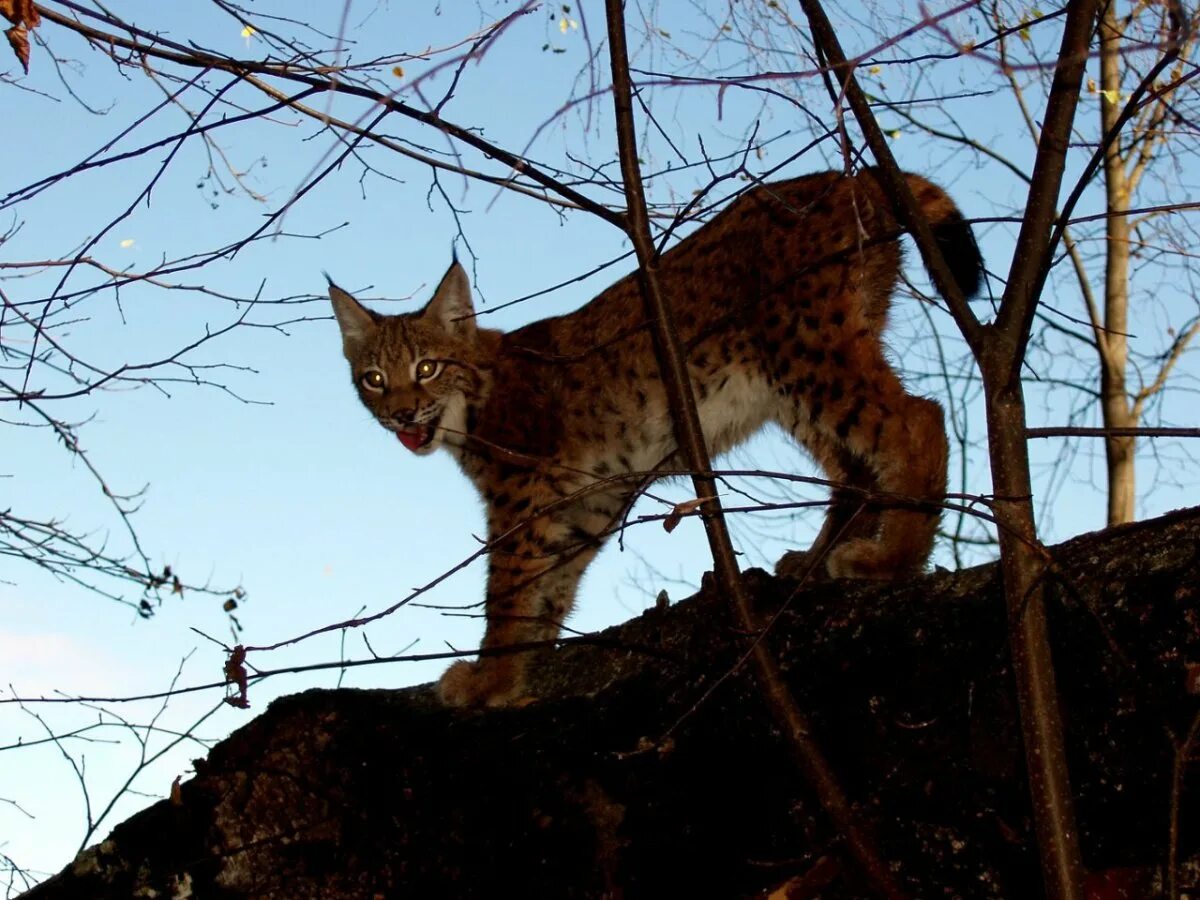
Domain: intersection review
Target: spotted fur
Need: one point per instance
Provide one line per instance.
(780, 300)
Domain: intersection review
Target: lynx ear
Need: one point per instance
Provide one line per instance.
(451, 304)
(357, 323)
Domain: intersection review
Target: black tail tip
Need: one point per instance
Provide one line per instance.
(957, 242)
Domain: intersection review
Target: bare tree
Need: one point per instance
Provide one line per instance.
(408, 130)
(1115, 353)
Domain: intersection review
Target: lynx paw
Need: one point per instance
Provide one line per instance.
(803, 565)
(487, 683)
(864, 558)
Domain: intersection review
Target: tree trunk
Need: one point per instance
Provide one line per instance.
(1114, 342)
(1024, 573)
(652, 768)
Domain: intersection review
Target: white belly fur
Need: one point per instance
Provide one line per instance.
(732, 414)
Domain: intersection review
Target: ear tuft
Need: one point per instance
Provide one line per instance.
(451, 305)
(358, 324)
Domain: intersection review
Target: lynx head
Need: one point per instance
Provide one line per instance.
(418, 373)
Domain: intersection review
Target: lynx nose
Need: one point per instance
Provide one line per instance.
(404, 416)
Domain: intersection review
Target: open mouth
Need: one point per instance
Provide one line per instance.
(415, 437)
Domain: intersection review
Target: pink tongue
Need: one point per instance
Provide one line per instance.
(413, 438)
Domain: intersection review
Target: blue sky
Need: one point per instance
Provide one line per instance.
(298, 496)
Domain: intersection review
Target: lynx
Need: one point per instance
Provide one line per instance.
(780, 301)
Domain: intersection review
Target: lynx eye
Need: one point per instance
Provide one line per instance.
(372, 380)
(427, 368)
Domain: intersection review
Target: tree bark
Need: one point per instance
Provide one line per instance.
(654, 768)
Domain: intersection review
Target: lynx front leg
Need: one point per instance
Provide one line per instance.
(532, 578)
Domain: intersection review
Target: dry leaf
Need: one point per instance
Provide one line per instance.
(682, 509)
(18, 39)
(23, 15)
(809, 884)
(235, 673)
(176, 793)
(20, 12)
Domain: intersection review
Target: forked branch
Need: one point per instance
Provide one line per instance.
(690, 438)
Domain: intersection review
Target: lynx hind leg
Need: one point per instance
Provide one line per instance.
(903, 439)
(850, 514)
(868, 432)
